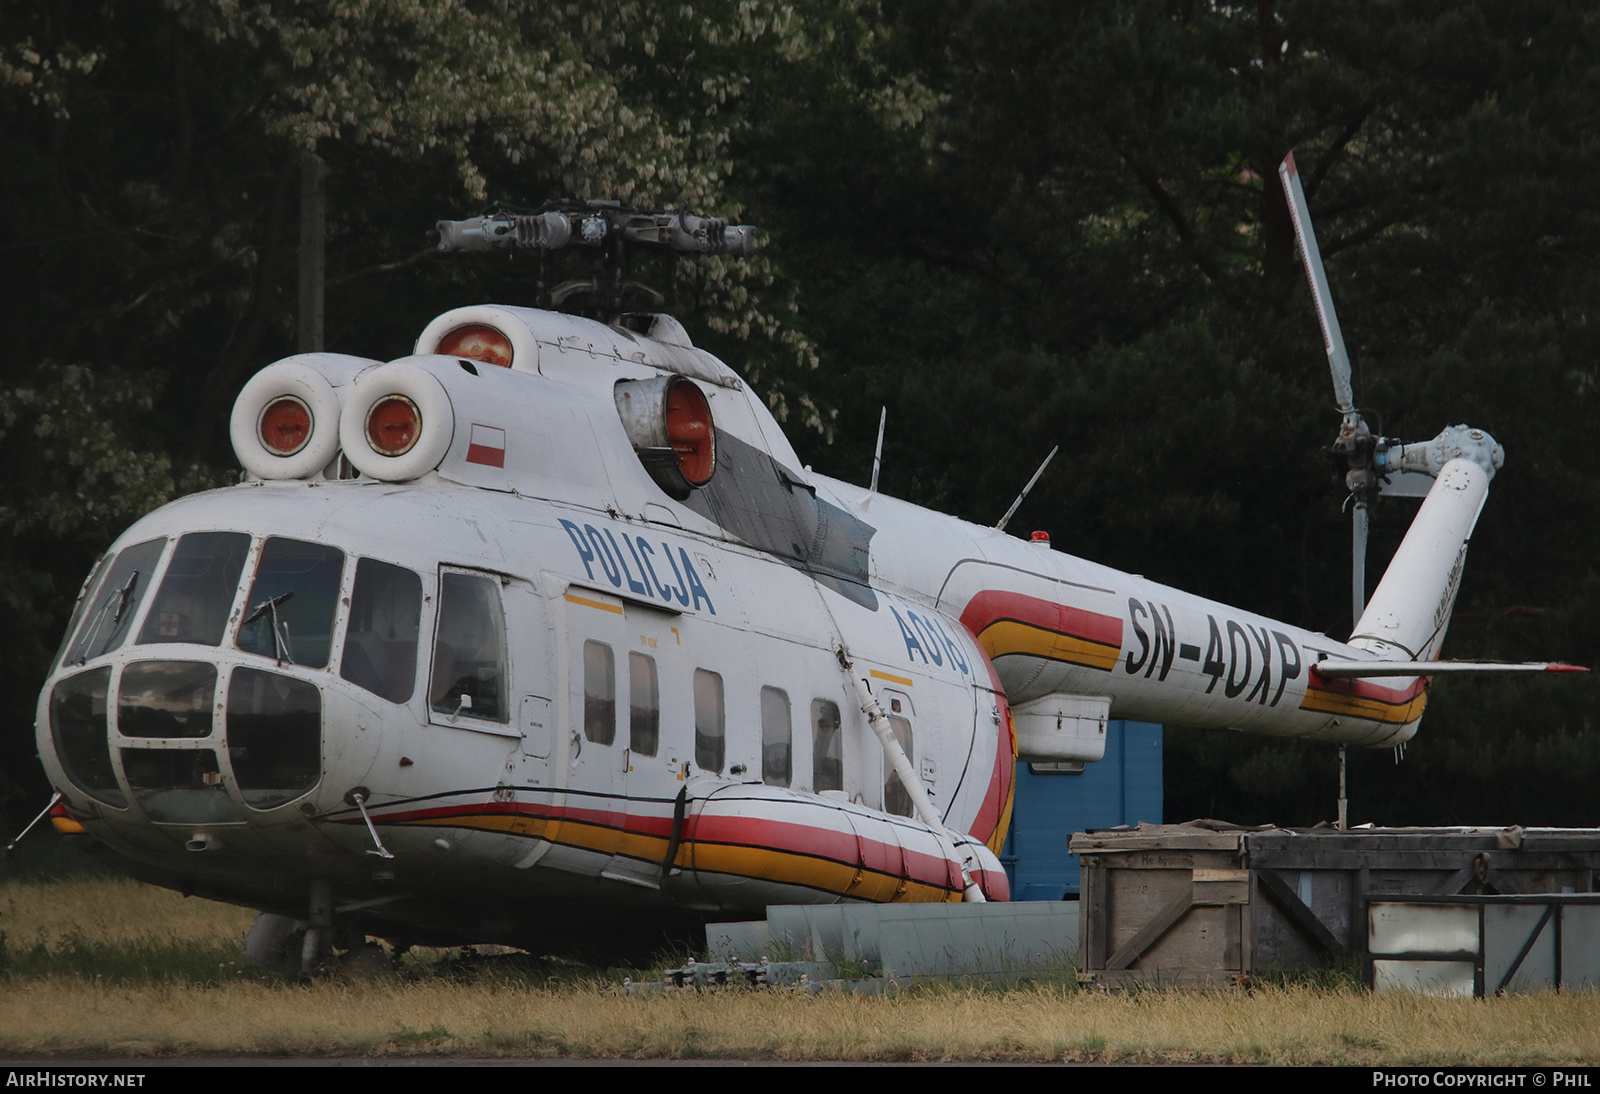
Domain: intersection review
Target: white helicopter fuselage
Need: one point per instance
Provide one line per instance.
(506, 686)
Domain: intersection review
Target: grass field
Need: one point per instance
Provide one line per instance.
(114, 966)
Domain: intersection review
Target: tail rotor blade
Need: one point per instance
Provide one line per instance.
(1311, 255)
(1358, 561)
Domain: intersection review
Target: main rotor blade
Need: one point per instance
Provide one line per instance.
(1311, 255)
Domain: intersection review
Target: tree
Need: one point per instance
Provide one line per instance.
(1080, 239)
(148, 206)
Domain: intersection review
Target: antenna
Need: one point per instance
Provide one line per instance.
(877, 458)
(1001, 527)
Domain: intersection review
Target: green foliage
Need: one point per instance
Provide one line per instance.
(148, 218)
(1081, 240)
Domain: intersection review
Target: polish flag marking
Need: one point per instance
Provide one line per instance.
(488, 446)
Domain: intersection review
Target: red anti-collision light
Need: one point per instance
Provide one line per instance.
(284, 426)
(393, 425)
(477, 342)
(691, 433)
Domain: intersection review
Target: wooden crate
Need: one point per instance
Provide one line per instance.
(1206, 903)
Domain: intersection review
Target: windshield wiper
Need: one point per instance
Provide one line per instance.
(120, 598)
(280, 631)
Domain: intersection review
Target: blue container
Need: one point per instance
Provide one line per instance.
(1123, 788)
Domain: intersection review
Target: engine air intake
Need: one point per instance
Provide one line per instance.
(478, 342)
(668, 420)
(393, 425)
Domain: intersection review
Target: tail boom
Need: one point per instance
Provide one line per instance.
(1410, 610)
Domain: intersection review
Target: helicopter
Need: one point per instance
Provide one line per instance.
(543, 635)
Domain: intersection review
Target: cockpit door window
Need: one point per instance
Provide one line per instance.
(469, 649)
(289, 612)
(380, 644)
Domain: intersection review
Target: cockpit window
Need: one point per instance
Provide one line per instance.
(78, 727)
(289, 613)
(111, 608)
(469, 662)
(86, 595)
(197, 590)
(166, 699)
(274, 736)
(380, 645)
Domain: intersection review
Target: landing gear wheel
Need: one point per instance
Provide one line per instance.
(274, 942)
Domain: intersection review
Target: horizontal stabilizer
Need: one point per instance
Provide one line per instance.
(1344, 670)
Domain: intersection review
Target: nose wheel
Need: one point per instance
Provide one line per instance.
(277, 944)
(297, 949)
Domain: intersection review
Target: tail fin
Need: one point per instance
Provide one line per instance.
(1410, 610)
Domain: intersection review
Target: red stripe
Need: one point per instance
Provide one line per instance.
(1367, 689)
(796, 838)
(993, 605)
(993, 806)
(825, 843)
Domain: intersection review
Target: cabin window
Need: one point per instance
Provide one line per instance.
(777, 738)
(599, 693)
(197, 590)
(274, 736)
(78, 728)
(469, 658)
(112, 607)
(380, 644)
(289, 612)
(644, 704)
(710, 743)
(896, 798)
(166, 699)
(827, 747)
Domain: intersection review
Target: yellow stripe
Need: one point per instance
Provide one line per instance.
(836, 877)
(1009, 636)
(570, 832)
(997, 838)
(1356, 706)
(602, 605)
(889, 676)
(744, 861)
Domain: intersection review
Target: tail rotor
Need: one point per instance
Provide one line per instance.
(1356, 444)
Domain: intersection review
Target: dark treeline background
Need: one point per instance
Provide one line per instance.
(1015, 224)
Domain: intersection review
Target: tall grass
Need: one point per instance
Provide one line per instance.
(116, 931)
(120, 968)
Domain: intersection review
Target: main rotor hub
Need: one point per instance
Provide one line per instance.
(603, 231)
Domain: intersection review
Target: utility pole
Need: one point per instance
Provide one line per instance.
(313, 237)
